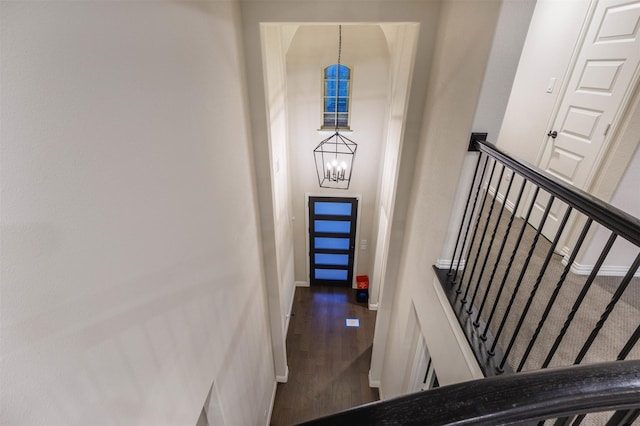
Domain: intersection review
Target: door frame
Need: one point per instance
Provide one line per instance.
(618, 118)
(599, 175)
(358, 197)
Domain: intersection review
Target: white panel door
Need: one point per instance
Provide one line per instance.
(604, 74)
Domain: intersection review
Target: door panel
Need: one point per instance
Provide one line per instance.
(602, 79)
(332, 259)
(333, 208)
(332, 243)
(332, 225)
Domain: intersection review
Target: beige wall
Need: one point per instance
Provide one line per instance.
(623, 253)
(277, 227)
(131, 269)
(553, 34)
(454, 87)
(402, 40)
(511, 32)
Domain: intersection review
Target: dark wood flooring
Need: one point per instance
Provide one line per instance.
(328, 362)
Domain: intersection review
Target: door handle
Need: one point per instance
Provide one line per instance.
(553, 134)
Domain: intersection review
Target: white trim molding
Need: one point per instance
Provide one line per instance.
(447, 263)
(302, 284)
(273, 401)
(500, 198)
(283, 379)
(289, 310)
(605, 270)
(374, 384)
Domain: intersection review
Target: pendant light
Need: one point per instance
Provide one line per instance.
(334, 156)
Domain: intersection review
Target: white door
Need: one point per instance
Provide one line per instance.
(603, 77)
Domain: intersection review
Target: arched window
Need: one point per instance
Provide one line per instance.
(337, 90)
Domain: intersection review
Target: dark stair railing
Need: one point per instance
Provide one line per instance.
(565, 393)
(506, 282)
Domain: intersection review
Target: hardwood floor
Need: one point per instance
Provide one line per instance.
(328, 362)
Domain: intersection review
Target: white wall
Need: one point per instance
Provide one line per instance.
(623, 253)
(453, 91)
(506, 49)
(278, 230)
(364, 50)
(402, 40)
(553, 34)
(131, 269)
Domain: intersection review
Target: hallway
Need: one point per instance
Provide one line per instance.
(328, 362)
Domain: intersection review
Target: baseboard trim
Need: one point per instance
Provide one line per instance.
(374, 383)
(283, 379)
(605, 270)
(373, 306)
(500, 198)
(288, 319)
(302, 284)
(286, 324)
(273, 401)
(448, 263)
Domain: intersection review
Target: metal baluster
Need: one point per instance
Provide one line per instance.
(623, 418)
(578, 420)
(513, 253)
(466, 207)
(537, 283)
(563, 421)
(555, 293)
(524, 267)
(614, 300)
(476, 323)
(475, 202)
(493, 237)
(630, 344)
(484, 232)
(580, 299)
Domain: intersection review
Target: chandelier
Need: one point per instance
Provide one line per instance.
(334, 155)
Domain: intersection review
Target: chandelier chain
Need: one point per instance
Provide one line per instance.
(339, 43)
(338, 77)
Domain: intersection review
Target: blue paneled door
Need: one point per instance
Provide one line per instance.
(332, 234)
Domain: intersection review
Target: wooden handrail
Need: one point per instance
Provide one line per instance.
(616, 220)
(522, 397)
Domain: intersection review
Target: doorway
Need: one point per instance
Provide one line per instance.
(332, 236)
(600, 85)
